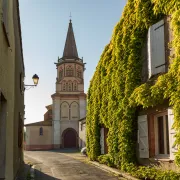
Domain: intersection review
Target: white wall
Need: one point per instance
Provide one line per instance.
(56, 120)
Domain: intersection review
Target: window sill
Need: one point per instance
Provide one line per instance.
(161, 159)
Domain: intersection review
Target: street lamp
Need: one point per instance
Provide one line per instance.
(35, 80)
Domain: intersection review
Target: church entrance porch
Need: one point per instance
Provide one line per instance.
(69, 138)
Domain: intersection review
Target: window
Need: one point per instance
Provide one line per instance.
(143, 140)
(64, 111)
(74, 114)
(5, 20)
(61, 74)
(83, 126)
(64, 86)
(161, 134)
(41, 131)
(79, 74)
(69, 86)
(69, 71)
(75, 86)
(156, 49)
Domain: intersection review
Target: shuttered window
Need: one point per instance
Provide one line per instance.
(172, 148)
(156, 49)
(162, 135)
(143, 136)
(5, 20)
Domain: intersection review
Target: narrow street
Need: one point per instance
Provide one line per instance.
(50, 165)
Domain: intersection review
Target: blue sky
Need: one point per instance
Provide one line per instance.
(44, 25)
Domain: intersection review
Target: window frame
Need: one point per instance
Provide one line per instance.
(70, 86)
(69, 71)
(152, 52)
(60, 74)
(41, 131)
(75, 86)
(165, 130)
(64, 86)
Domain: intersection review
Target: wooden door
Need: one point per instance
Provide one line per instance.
(70, 139)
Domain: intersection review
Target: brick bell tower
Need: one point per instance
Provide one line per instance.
(69, 100)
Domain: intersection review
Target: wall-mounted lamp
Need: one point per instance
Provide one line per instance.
(35, 80)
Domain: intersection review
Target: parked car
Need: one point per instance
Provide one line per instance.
(83, 151)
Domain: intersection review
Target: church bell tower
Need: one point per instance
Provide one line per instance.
(69, 100)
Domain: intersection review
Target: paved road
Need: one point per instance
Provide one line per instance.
(50, 165)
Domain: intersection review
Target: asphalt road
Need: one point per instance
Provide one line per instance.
(54, 165)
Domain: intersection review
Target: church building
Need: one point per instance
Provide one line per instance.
(60, 128)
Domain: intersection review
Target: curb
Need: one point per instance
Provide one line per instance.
(112, 170)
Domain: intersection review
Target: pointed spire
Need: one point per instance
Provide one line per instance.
(70, 50)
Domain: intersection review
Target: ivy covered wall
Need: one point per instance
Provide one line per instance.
(116, 90)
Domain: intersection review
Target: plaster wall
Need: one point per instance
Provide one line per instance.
(34, 138)
(7, 81)
(82, 134)
(82, 104)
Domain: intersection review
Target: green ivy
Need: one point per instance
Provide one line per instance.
(116, 91)
(142, 172)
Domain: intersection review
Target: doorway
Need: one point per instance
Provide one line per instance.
(69, 138)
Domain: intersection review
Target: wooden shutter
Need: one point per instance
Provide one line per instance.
(143, 136)
(172, 132)
(102, 140)
(156, 49)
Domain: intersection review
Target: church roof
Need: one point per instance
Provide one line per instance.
(40, 123)
(70, 49)
(49, 107)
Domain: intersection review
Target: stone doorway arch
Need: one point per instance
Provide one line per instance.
(69, 138)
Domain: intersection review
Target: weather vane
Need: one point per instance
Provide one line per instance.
(70, 16)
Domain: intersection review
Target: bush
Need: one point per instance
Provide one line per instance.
(151, 172)
(106, 159)
(141, 172)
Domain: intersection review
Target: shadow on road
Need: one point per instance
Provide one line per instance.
(42, 176)
(24, 172)
(66, 150)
